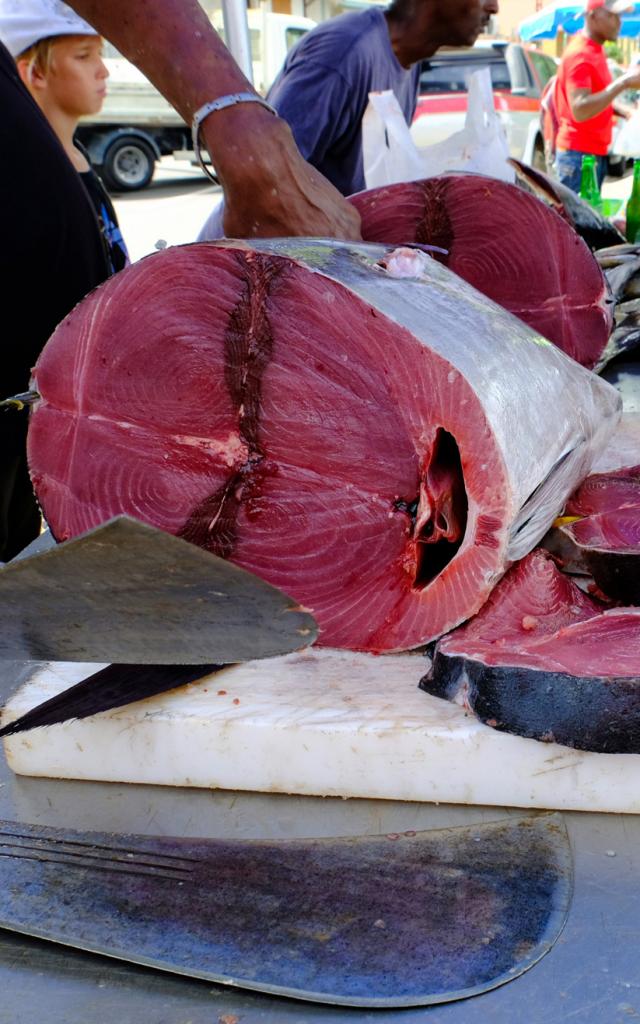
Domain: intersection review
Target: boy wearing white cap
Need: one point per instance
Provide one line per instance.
(59, 59)
(585, 92)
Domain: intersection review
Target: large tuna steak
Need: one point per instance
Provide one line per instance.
(380, 448)
(544, 660)
(507, 244)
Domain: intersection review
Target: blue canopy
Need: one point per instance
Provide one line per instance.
(569, 18)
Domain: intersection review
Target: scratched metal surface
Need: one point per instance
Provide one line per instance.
(591, 976)
(406, 919)
(153, 599)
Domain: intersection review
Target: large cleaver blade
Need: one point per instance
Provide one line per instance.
(371, 921)
(127, 592)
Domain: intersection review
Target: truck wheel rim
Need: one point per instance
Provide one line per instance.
(131, 166)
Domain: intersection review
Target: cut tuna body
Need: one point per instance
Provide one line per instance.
(544, 660)
(380, 448)
(506, 244)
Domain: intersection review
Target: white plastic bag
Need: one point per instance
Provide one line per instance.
(626, 141)
(390, 154)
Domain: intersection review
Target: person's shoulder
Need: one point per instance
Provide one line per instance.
(346, 34)
(580, 51)
(350, 24)
(574, 47)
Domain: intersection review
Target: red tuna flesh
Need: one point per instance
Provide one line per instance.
(543, 660)
(603, 492)
(533, 601)
(508, 245)
(381, 449)
(597, 231)
(615, 530)
(605, 543)
(608, 546)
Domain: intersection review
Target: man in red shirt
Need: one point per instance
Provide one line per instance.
(585, 92)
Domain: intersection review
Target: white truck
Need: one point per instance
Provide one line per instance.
(137, 126)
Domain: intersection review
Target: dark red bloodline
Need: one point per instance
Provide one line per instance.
(248, 349)
(435, 227)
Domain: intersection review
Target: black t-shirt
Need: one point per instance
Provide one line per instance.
(51, 252)
(117, 254)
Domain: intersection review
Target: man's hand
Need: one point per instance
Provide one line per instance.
(631, 78)
(270, 191)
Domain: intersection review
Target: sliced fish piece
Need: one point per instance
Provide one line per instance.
(544, 660)
(605, 492)
(609, 547)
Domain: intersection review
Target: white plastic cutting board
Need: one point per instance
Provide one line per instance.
(327, 723)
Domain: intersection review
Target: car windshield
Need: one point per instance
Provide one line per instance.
(452, 76)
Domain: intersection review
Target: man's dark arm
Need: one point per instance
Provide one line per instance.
(586, 104)
(269, 189)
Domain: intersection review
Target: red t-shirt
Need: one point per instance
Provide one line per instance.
(583, 66)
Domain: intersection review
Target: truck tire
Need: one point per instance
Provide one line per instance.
(128, 164)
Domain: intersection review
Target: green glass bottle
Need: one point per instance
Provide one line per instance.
(633, 206)
(589, 188)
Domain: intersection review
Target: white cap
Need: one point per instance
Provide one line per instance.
(25, 22)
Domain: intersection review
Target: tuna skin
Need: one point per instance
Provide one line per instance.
(539, 269)
(573, 679)
(379, 449)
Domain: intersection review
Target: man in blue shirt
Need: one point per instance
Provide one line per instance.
(323, 88)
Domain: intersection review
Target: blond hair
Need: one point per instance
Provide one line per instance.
(38, 57)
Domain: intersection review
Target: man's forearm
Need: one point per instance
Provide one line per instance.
(269, 189)
(585, 105)
(173, 43)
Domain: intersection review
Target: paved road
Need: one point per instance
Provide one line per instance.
(173, 208)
